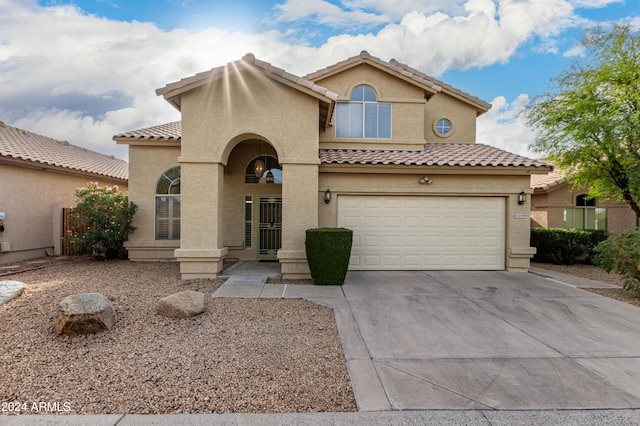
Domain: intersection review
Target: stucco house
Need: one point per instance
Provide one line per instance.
(260, 155)
(39, 178)
(555, 203)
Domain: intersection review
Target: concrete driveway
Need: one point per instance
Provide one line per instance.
(486, 340)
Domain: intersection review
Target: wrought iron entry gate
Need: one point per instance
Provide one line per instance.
(270, 227)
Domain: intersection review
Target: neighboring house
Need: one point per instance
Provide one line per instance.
(39, 178)
(261, 155)
(555, 203)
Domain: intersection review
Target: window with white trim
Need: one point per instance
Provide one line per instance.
(167, 214)
(585, 215)
(363, 117)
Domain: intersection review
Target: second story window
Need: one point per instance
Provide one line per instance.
(363, 117)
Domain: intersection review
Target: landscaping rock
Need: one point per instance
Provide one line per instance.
(182, 305)
(85, 313)
(10, 290)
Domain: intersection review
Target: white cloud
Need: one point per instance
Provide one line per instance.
(77, 77)
(594, 4)
(325, 13)
(481, 36)
(576, 51)
(80, 78)
(361, 12)
(505, 127)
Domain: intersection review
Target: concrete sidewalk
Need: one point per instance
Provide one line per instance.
(404, 418)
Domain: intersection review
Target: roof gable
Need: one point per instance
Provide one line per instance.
(403, 72)
(172, 92)
(20, 147)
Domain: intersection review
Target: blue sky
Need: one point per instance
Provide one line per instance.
(84, 70)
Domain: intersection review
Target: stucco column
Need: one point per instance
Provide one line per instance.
(201, 249)
(299, 213)
(519, 252)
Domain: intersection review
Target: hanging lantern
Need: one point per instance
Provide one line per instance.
(258, 167)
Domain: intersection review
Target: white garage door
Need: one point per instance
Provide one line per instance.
(424, 233)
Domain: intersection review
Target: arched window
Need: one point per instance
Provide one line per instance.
(168, 205)
(363, 117)
(270, 170)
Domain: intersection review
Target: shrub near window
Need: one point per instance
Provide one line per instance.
(105, 215)
(565, 246)
(621, 254)
(328, 253)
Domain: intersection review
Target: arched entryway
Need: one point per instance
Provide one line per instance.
(253, 191)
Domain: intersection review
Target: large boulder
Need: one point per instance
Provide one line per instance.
(85, 313)
(181, 305)
(10, 290)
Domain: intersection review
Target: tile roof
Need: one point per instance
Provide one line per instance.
(23, 145)
(548, 181)
(169, 131)
(404, 70)
(434, 154)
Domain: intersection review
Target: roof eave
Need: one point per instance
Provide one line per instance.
(133, 140)
(37, 165)
(432, 169)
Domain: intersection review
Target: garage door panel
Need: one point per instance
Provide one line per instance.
(412, 232)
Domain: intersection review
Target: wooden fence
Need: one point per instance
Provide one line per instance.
(70, 226)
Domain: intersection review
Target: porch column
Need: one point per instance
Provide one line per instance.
(201, 249)
(299, 213)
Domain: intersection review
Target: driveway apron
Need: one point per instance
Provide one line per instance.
(486, 340)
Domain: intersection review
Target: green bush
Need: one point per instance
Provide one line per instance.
(565, 246)
(328, 253)
(621, 254)
(104, 215)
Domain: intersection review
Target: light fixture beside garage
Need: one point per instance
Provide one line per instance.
(425, 180)
(522, 198)
(327, 196)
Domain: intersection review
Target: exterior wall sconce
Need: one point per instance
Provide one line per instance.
(269, 177)
(327, 196)
(425, 180)
(522, 198)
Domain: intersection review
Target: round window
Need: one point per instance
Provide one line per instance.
(443, 127)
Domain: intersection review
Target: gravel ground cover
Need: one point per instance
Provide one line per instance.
(241, 355)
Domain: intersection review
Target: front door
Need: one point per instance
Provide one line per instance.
(270, 228)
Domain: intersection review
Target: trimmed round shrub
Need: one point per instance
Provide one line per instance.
(328, 253)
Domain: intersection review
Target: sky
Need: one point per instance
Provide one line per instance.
(85, 70)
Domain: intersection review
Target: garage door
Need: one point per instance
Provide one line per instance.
(423, 232)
